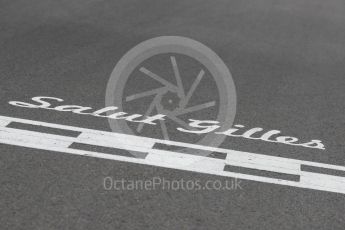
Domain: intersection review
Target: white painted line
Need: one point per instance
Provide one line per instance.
(289, 167)
(323, 182)
(174, 159)
(171, 159)
(114, 141)
(21, 139)
(4, 123)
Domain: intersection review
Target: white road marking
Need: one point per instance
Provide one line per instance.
(18, 136)
(323, 182)
(4, 123)
(171, 159)
(115, 141)
(264, 164)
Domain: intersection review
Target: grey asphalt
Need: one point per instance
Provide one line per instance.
(287, 61)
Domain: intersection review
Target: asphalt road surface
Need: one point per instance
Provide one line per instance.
(287, 62)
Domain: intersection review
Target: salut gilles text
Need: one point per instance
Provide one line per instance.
(196, 126)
